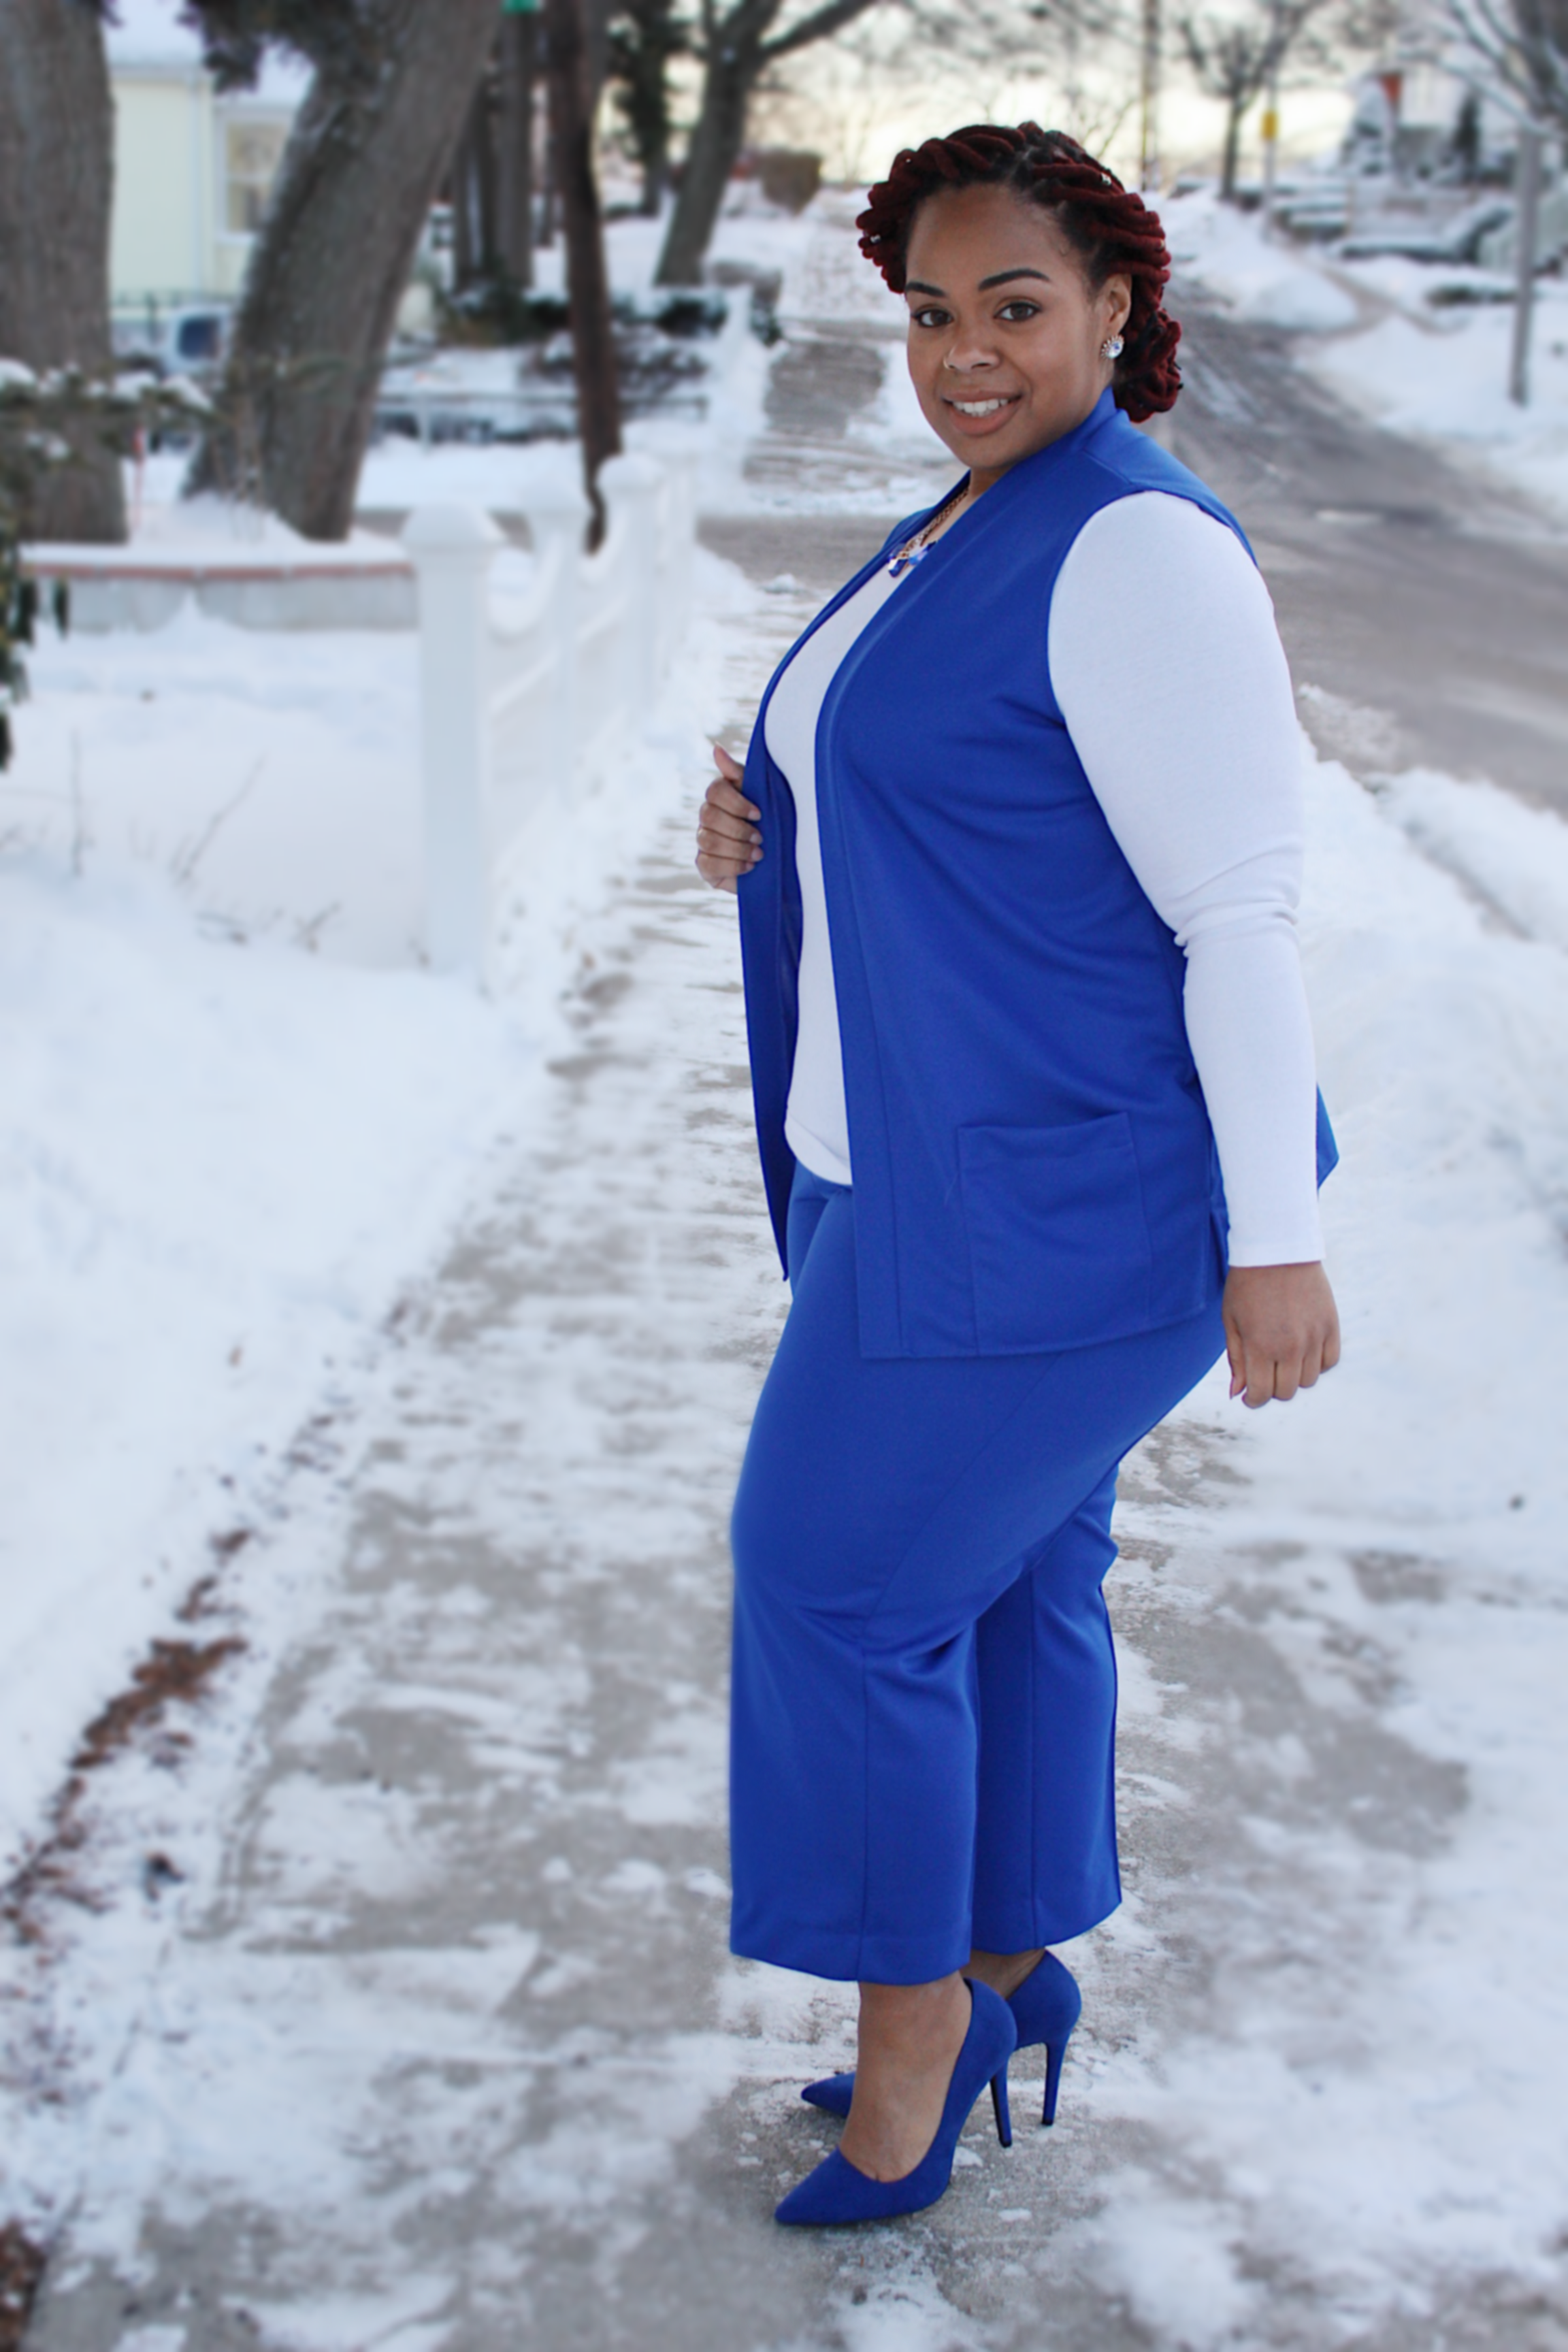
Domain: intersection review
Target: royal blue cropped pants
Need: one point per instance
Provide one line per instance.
(924, 1697)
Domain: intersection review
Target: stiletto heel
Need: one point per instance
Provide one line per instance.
(1000, 2108)
(1053, 2078)
(838, 2191)
(1046, 2009)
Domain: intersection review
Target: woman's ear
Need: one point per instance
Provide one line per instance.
(1117, 295)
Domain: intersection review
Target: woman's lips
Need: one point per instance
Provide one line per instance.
(984, 414)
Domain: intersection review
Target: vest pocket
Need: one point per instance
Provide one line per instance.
(1058, 1243)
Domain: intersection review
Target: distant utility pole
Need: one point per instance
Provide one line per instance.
(1526, 214)
(1271, 116)
(1149, 101)
(1270, 146)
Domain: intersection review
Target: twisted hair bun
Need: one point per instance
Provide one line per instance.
(1111, 230)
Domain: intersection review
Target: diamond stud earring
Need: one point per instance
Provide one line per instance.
(1112, 348)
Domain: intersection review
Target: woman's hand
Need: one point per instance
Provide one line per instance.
(728, 842)
(1281, 1329)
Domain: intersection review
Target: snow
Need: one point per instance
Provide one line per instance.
(227, 1125)
(1259, 281)
(236, 1109)
(216, 1160)
(1438, 370)
(1444, 373)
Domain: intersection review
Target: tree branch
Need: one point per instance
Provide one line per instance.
(831, 17)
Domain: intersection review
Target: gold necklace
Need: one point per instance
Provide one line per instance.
(912, 549)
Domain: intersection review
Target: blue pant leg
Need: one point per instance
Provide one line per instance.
(885, 1507)
(848, 1457)
(1046, 1867)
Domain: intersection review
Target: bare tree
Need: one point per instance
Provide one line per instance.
(56, 185)
(646, 37)
(1521, 51)
(1235, 59)
(737, 44)
(393, 82)
(572, 91)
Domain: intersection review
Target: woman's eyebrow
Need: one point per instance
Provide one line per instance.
(1000, 278)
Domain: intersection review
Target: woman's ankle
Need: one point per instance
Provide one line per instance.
(1003, 1971)
(903, 2022)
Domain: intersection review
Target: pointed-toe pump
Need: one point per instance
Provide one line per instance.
(838, 2193)
(1045, 2008)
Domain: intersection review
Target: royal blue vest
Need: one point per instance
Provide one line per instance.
(1034, 1164)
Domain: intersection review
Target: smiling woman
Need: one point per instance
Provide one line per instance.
(1017, 846)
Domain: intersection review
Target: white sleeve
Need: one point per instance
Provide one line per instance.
(1170, 674)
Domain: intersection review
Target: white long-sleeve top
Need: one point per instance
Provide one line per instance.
(1169, 671)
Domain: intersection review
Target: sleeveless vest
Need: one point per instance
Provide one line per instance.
(1034, 1164)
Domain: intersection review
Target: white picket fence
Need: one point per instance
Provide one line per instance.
(522, 691)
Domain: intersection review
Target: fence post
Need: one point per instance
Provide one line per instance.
(451, 548)
(557, 511)
(632, 485)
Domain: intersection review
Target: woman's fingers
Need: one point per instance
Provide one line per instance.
(1281, 1330)
(728, 841)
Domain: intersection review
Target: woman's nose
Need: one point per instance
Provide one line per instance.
(964, 358)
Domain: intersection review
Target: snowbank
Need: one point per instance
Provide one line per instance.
(236, 1113)
(215, 1164)
(1436, 370)
(1443, 372)
(1375, 2106)
(1267, 282)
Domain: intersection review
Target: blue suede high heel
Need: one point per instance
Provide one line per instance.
(837, 2191)
(1045, 2008)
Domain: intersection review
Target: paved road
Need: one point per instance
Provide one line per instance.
(1434, 603)
(434, 2045)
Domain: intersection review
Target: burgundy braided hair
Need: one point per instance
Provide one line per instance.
(1108, 227)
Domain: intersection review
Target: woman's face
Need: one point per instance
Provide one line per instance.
(1005, 334)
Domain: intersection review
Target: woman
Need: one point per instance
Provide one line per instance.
(1017, 846)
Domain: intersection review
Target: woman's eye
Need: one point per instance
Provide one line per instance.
(1015, 311)
(929, 318)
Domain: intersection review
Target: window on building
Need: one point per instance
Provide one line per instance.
(252, 152)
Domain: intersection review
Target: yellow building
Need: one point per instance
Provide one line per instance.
(191, 166)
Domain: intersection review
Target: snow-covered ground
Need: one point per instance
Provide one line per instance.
(239, 1125)
(1266, 281)
(1439, 370)
(237, 1111)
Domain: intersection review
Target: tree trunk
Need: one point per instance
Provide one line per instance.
(514, 200)
(475, 178)
(361, 167)
(1236, 108)
(460, 182)
(716, 144)
(587, 280)
(654, 180)
(56, 177)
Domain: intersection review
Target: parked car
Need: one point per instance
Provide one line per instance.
(176, 339)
